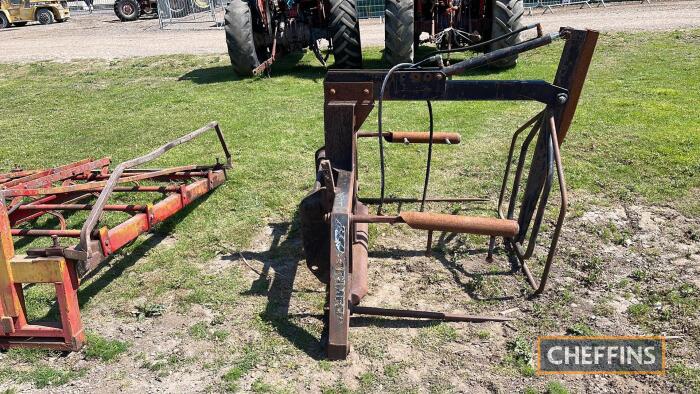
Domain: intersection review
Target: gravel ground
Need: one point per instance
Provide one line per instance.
(102, 36)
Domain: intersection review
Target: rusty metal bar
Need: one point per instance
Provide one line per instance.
(91, 186)
(408, 200)
(340, 261)
(454, 317)
(115, 238)
(444, 222)
(146, 189)
(58, 175)
(414, 137)
(19, 216)
(573, 69)
(359, 284)
(22, 232)
(81, 207)
(8, 176)
(536, 121)
(539, 288)
(42, 173)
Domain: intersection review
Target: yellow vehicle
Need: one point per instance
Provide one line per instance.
(21, 12)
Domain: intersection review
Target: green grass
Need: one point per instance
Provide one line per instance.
(555, 387)
(242, 366)
(104, 349)
(519, 357)
(40, 375)
(687, 376)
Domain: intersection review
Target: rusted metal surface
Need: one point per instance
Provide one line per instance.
(443, 222)
(460, 224)
(372, 311)
(341, 255)
(416, 137)
(575, 61)
(334, 219)
(359, 284)
(86, 185)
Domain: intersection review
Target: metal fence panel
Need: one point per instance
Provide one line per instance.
(171, 12)
(367, 9)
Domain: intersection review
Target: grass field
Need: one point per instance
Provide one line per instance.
(635, 142)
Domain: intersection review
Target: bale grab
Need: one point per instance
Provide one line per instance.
(334, 217)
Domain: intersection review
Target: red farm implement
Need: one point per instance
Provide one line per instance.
(335, 219)
(86, 185)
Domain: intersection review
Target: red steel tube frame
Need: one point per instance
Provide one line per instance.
(32, 194)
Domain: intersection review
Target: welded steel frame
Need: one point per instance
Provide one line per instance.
(350, 96)
(29, 195)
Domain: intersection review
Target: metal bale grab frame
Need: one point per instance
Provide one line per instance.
(334, 218)
(29, 195)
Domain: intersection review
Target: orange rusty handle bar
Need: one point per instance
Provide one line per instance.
(114, 179)
(416, 137)
(445, 222)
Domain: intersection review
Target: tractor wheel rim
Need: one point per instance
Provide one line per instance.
(43, 18)
(127, 9)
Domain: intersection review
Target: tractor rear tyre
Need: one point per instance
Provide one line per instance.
(398, 31)
(127, 10)
(238, 24)
(345, 34)
(4, 22)
(506, 17)
(45, 16)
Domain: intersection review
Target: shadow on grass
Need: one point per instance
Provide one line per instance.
(283, 257)
(286, 66)
(459, 272)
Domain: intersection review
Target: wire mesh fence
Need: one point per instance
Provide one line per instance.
(172, 12)
(98, 5)
(548, 5)
(368, 9)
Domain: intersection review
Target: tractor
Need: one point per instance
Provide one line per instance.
(452, 25)
(260, 31)
(131, 10)
(21, 12)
